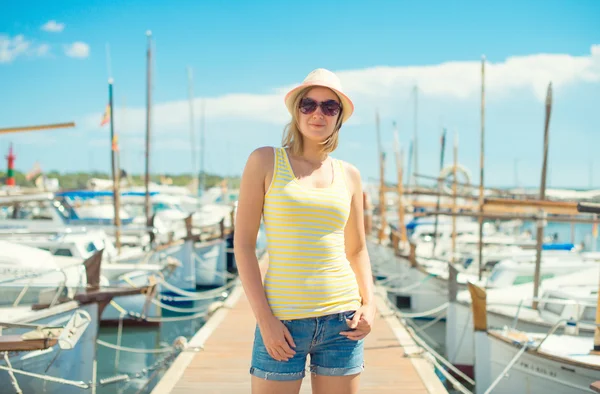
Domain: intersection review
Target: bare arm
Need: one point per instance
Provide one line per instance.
(275, 335)
(358, 256)
(356, 247)
(249, 211)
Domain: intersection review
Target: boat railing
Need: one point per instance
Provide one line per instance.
(577, 303)
(33, 275)
(550, 332)
(42, 231)
(525, 345)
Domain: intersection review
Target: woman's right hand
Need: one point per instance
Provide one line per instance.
(277, 339)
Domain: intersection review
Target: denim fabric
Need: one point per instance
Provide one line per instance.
(330, 353)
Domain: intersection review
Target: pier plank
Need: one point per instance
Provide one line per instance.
(222, 367)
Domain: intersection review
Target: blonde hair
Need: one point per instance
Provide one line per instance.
(292, 137)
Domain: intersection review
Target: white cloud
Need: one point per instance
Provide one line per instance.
(13, 47)
(461, 80)
(450, 80)
(53, 27)
(77, 49)
(42, 50)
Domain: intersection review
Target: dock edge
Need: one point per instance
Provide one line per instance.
(424, 368)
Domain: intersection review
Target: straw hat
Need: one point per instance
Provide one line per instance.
(325, 78)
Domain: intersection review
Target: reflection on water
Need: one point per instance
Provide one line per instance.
(111, 362)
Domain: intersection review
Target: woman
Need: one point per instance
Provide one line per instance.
(317, 296)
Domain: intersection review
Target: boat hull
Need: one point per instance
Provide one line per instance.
(75, 364)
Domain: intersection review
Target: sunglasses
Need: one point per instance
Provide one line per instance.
(329, 107)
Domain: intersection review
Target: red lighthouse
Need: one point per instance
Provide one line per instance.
(10, 176)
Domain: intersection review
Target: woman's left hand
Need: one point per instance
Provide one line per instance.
(362, 322)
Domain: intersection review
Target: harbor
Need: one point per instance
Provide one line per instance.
(392, 359)
(128, 154)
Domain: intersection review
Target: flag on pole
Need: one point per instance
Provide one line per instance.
(115, 143)
(35, 171)
(106, 117)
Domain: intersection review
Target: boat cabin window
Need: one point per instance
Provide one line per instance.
(489, 265)
(63, 252)
(7, 212)
(589, 315)
(529, 278)
(427, 237)
(31, 210)
(554, 308)
(91, 247)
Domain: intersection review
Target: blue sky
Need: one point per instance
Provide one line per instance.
(245, 54)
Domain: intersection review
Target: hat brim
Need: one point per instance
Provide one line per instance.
(347, 105)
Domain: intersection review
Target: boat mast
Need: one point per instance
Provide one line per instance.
(148, 209)
(541, 223)
(192, 128)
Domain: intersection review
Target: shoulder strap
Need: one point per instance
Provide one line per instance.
(342, 175)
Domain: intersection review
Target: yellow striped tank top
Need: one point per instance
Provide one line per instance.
(309, 274)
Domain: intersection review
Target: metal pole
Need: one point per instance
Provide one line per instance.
(148, 208)
(481, 166)
(409, 162)
(540, 223)
(382, 207)
(113, 160)
(454, 190)
(415, 137)
(192, 128)
(437, 206)
(202, 143)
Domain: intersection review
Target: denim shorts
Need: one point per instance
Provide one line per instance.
(331, 353)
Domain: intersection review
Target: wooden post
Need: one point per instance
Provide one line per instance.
(452, 283)
(483, 373)
(188, 226)
(540, 223)
(367, 214)
(412, 254)
(595, 233)
(400, 170)
(395, 242)
(454, 191)
(481, 166)
(383, 222)
(479, 306)
(21, 129)
(597, 329)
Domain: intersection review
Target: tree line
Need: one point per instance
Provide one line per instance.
(78, 180)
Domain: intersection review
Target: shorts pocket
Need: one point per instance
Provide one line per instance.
(348, 316)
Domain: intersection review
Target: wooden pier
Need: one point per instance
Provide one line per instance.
(392, 360)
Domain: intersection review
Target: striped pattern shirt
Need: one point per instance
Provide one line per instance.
(309, 274)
